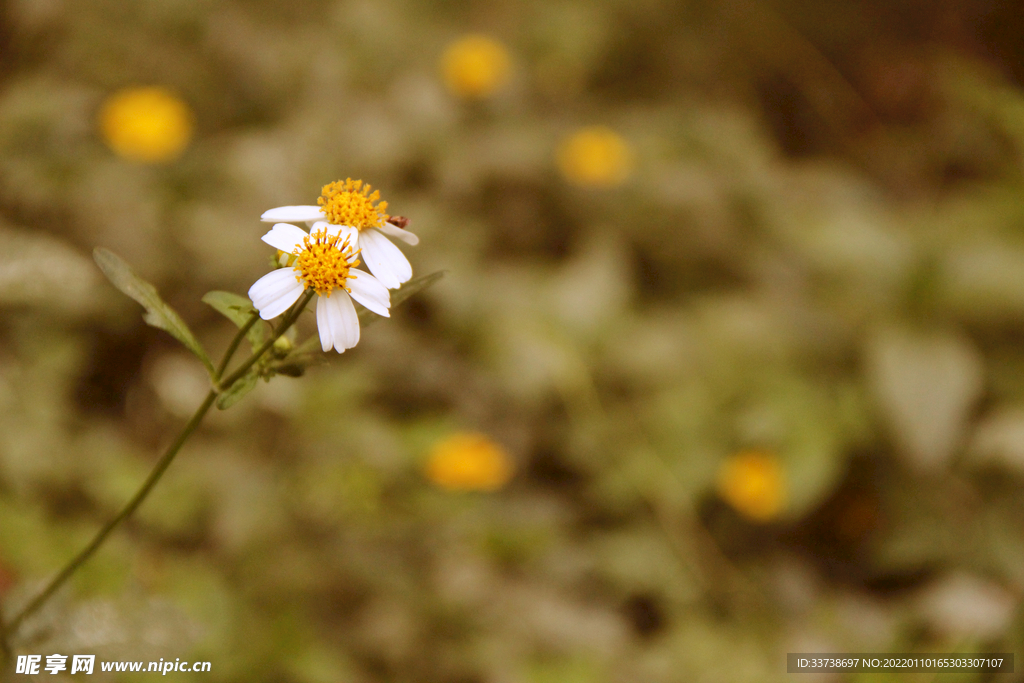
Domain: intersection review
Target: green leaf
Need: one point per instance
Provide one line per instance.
(158, 313)
(398, 296)
(234, 307)
(239, 389)
(238, 309)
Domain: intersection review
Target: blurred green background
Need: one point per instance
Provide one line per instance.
(752, 352)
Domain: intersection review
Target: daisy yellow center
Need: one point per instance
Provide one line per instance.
(350, 202)
(324, 262)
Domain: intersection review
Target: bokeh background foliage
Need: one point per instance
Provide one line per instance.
(727, 363)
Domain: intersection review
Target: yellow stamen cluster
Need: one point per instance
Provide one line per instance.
(324, 262)
(350, 202)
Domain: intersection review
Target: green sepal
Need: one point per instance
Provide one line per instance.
(158, 313)
(239, 389)
(292, 369)
(238, 309)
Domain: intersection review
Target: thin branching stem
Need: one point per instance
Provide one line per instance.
(125, 512)
(158, 470)
(289, 319)
(242, 331)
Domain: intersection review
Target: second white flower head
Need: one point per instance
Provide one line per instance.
(324, 262)
(360, 217)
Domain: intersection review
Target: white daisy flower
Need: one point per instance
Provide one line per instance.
(350, 207)
(325, 262)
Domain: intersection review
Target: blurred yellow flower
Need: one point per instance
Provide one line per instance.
(753, 482)
(468, 462)
(150, 125)
(595, 156)
(475, 66)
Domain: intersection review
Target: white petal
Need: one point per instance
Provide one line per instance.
(344, 321)
(292, 214)
(323, 323)
(349, 233)
(273, 293)
(399, 233)
(384, 259)
(367, 290)
(285, 236)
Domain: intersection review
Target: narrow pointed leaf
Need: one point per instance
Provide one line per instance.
(158, 313)
(308, 352)
(238, 309)
(239, 389)
(398, 296)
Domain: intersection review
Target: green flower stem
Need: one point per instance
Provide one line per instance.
(125, 512)
(234, 344)
(158, 470)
